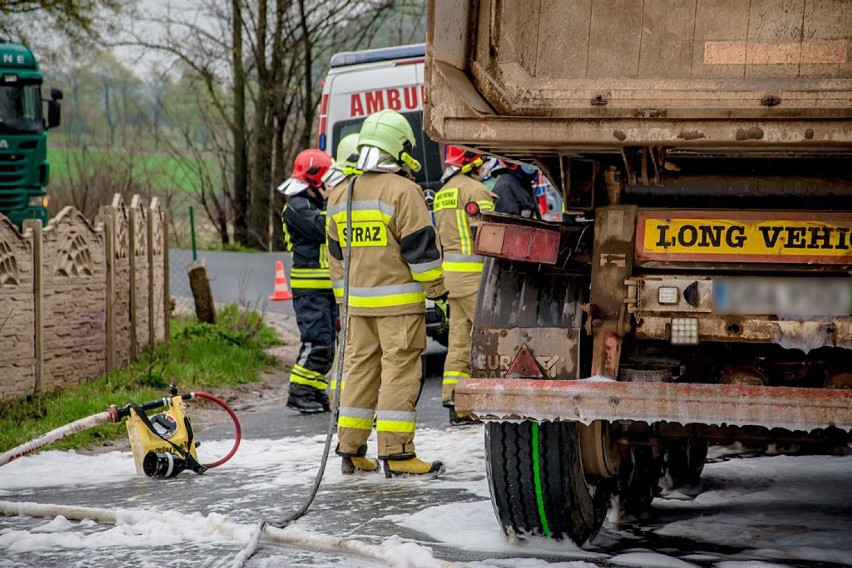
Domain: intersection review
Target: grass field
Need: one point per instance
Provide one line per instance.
(157, 171)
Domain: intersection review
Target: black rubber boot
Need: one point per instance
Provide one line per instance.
(322, 397)
(303, 399)
(457, 419)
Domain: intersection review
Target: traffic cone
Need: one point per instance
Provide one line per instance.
(282, 291)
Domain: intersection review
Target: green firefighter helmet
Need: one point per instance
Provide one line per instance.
(389, 131)
(347, 151)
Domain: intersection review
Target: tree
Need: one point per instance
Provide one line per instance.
(81, 22)
(260, 63)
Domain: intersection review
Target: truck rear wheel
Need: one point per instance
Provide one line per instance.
(684, 461)
(639, 478)
(537, 484)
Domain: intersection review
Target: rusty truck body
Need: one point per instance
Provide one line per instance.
(698, 289)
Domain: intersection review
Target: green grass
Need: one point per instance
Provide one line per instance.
(158, 171)
(198, 356)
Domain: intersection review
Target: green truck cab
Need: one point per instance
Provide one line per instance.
(24, 171)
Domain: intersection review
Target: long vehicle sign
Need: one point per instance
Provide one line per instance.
(744, 236)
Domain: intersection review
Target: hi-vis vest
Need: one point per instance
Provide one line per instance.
(305, 236)
(461, 266)
(395, 256)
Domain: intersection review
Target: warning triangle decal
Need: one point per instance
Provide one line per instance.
(524, 366)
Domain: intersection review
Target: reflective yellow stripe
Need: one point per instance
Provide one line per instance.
(428, 275)
(309, 272)
(305, 372)
(364, 215)
(453, 377)
(457, 374)
(299, 380)
(463, 266)
(323, 250)
(333, 385)
(288, 241)
(355, 423)
(338, 292)
(310, 278)
(395, 426)
(464, 232)
(303, 376)
(485, 205)
(386, 301)
(312, 284)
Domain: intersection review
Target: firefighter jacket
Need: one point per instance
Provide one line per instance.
(395, 259)
(304, 235)
(457, 231)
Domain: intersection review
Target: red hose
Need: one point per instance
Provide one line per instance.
(238, 435)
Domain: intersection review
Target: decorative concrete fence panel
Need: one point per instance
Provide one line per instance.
(79, 297)
(73, 300)
(17, 312)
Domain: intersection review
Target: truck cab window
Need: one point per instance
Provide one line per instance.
(20, 108)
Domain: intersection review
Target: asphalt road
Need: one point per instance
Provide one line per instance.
(235, 278)
(263, 481)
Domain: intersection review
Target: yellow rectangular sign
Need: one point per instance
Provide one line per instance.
(446, 199)
(734, 236)
(365, 234)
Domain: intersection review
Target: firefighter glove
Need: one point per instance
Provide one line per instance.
(443, 307)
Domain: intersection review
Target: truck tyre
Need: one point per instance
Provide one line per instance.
(638, 480)
(537, 483)
(684, 461)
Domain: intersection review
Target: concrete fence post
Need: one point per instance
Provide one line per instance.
(134, 314)
(38, 298)
(108, 223)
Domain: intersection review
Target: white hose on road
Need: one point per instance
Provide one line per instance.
(400, 555)
(56, 435)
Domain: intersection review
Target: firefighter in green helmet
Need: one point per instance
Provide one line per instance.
(395, 264)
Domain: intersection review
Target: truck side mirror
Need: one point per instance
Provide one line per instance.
(54, 113)
(56, 94)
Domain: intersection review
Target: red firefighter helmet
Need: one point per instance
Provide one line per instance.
(308, 169)
(455, 156)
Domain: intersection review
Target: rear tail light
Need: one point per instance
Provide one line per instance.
(518, 242)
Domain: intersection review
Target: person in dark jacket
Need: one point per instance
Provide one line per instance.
(313, 299)
(514, 190)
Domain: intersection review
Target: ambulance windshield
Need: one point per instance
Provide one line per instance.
(426, 151)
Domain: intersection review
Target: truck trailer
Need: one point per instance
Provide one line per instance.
(24, 170)
(698, 287)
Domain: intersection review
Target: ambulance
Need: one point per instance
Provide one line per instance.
(360, 83)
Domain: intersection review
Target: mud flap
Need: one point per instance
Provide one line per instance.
(522, 307)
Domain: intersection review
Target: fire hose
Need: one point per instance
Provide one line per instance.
(251, 547)
(115, 414)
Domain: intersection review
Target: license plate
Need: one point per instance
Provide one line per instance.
(783, 296)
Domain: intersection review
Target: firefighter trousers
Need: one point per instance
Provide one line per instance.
(383, 377)
(316, 316)
(457, 363)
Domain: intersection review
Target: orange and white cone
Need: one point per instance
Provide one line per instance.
(281, 291)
